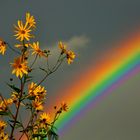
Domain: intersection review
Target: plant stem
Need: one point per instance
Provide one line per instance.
(24, 131)
(48, 64)
(56, 66)
(17, 111)
(55, 118)
(34, 61)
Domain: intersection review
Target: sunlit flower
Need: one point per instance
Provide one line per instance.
(37, 105)
(21, 45)
(35, 129)
(2, 106)
(62, 47)
(22, 31)
(3, 136)
(2, 125)
(36, 49)
(32, 89)
(41, 92)
(36, 91)
(64, 106)
(2, 47)
(14, 97)
(45, 118)
(70, 56)
(9, 101)
(19, 67)
(5, 103)
(30, 20)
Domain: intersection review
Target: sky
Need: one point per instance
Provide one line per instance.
(90, 28)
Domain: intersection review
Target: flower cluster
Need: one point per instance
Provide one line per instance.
(37, 93)
(70, 55)
(29, 95)
(3, 135)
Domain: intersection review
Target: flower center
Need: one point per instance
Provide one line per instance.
(22, 32)
(19, 66)
(44, 120)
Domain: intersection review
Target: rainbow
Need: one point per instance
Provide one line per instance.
(97, 81)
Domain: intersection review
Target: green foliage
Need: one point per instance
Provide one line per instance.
(4, 113)
(16, 89)
(52, 135)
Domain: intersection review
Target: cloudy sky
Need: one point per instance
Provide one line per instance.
(90, 28)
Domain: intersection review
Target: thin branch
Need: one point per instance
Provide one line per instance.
(53, 70)
(57, 61)
(34, 61)
(48, 66)
(17, 111)
(24, 130)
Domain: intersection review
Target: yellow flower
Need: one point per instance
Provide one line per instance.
(5, 103)
(3, 136)
(2, 47)
(35, 129)
(36, 91)
(45, 118)
(2, 106)
(19, 67)
(36, 49)
(30, 20)
(32, 89)
(41, 92)
(22, 31)
(37, 105)
(70, 56)
(64, 106)
(14, 97)
(2, 125)
(21, 45)
(9, 101)
(62, 47)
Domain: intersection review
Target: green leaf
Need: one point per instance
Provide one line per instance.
(43, 69)
(39, 135)
(14, 88)
(4, 113)
(12, 121)
(31, 97)
(52, 135)
(53, 127)
(28, 78)
(17, 125)
(29, 128)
